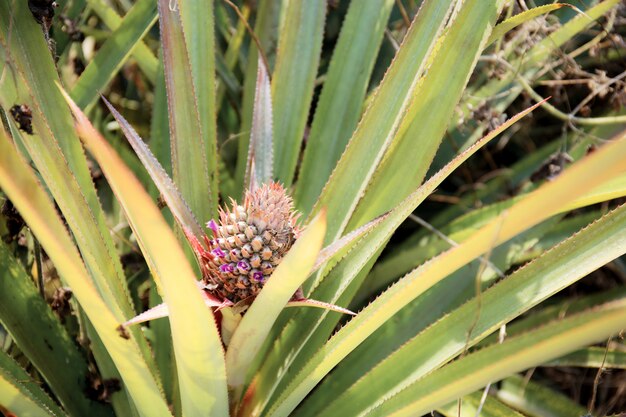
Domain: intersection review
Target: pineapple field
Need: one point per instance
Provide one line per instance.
(240, 208)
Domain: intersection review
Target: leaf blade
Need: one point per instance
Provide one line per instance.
(171, 195)
(515, 354)
(381, 119)
(341, 100)
(198, 349)
(260, 167)
(114, 52)
(541, 203)
(187, 140)
(38, 211)
(19, 299)
(279, 289)
(299, 48)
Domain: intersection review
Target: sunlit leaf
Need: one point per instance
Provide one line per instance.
(197, 345)
(281, 287)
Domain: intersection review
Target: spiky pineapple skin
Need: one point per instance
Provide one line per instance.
(249, 241)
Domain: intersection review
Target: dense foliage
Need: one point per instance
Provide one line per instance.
(312, 208)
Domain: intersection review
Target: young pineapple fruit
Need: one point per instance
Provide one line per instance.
(249, 242)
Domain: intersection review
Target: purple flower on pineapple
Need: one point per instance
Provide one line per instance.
(243, 266)
(212, 224)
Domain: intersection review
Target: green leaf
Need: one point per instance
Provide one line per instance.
(23, 312)
(258, 320)
(381, 120)
(187, 138)
(266, 30)
(59, 158)
(144, 56)
(513, 355)
(260, 168)
(423, 126)
(231, 56)
(164, 184)
(19, 183)
(593, 357)
(297, 333)
(615, 188)
(339, 248)
(554, 312)
(197, 21)
(536, 207)
(114, 53)
(525, 288)
(526, 65)
(22, 395)
(299, 48)
(341, 101)
(470, 405)
(197, 345)
(421, 313)
(511, 23)
(159, 123)
(413, 253)
(537, 400)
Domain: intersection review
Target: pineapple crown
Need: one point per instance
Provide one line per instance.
(249, 241)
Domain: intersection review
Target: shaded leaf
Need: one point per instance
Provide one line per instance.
(260, 168)
(169, 192)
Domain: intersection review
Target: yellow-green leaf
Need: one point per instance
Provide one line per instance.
(197, 345)
(20, 184)
(256, 324)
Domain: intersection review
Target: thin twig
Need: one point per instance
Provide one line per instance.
(405, 15)
(570, 118)
(483, 398)
(440, 198)
(251, 32)
(596, 380)
(597, 90)
(394, 43)
(585, 47)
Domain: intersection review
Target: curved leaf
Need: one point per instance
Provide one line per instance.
(586, 251)
(511, 23)
(176, 203)
(23, 312)
(513, 355)
(20, 184)
(537, 206)
(21, 395)
(279, 289)
(197, 345)
(298, 332)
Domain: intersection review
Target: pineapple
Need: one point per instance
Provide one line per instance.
(248, 243)
(351, 143)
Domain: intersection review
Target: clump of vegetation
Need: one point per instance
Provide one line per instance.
(431, 208)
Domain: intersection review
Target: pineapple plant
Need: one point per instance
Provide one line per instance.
(249, 242)
(258, 254)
